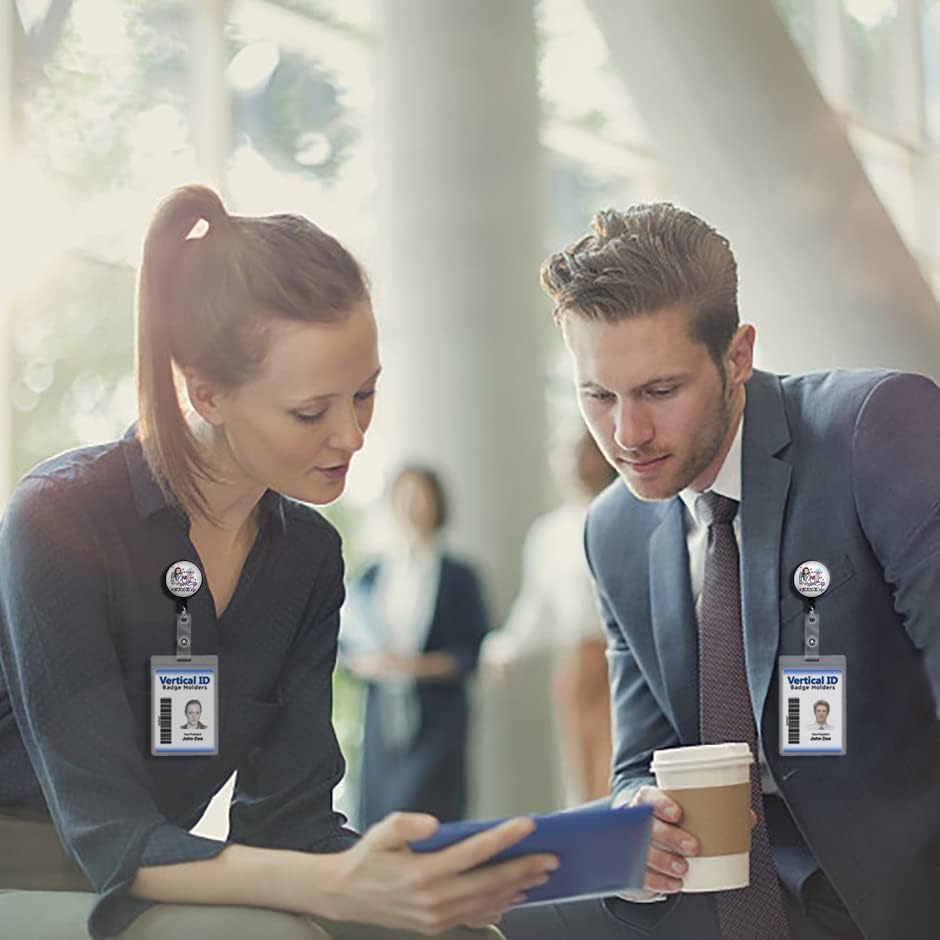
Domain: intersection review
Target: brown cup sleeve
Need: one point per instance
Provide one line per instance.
(719, 817)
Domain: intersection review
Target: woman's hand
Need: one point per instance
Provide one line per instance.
(381, 881)
(374, 667)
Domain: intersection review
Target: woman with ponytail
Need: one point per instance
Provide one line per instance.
(257, 365)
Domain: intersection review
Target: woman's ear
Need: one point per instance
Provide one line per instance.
(204, 397)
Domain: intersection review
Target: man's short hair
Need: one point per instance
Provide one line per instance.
(822, 702)
(645, 259)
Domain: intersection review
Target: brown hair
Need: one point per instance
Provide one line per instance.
(203, 303)
(645, 259)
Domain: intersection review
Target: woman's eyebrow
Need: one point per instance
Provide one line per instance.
(314, 398)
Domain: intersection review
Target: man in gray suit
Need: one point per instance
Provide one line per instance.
(722, 462)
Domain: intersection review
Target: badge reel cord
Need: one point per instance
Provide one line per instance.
(810, 632)
(184, 631)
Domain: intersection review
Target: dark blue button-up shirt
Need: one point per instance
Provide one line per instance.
(84, 547)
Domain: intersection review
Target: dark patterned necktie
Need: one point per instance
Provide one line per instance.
(725, 714)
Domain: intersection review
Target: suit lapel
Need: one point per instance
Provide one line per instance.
(765, 484)
(673, 617)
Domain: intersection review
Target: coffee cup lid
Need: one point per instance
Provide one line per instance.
(702, 755)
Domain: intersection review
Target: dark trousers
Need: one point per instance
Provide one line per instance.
(32, 858)
(819, 915)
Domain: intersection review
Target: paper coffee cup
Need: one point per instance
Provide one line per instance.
(712, 784)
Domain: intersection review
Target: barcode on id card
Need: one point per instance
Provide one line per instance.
(166, 721)
(793, 721)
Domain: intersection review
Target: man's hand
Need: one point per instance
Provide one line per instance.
(670, 846)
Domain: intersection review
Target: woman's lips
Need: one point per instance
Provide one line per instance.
(335, 473)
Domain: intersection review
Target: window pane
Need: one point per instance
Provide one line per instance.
(871, 52)
(930, 30)
(590, 97)
(103, 135)
(301, 118)
(799, 16)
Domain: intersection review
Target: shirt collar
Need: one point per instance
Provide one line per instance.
(728, 481)
(150, 499)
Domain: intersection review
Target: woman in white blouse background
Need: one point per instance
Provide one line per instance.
(413, 626)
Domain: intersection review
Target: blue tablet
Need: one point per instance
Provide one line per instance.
(602, 851)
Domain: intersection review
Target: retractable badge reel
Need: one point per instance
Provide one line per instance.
(812, 686)
(184, 688)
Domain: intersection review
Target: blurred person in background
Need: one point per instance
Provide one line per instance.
(267, 325)
(412, 631)
(556, 608)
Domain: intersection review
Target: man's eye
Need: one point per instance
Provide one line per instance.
(663, 392)
(365, 396)
(599, 396)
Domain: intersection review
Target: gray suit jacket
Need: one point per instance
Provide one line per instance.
(843, 468)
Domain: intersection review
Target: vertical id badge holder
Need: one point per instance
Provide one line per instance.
(184, 691)
(812, 706)
(812, 687)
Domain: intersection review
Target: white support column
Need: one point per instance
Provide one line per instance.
(210, 114)
(462, 320)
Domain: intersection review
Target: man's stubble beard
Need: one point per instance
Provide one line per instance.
(703, 453)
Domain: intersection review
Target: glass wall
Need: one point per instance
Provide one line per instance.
(930, 56)
(102, 129)
(105, 123)
(876, 62)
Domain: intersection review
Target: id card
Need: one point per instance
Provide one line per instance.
(812, 705)
(184, 706)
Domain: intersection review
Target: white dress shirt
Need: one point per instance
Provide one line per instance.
(407, 587)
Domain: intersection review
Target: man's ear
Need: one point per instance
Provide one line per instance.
(204, 396)
(739, 359)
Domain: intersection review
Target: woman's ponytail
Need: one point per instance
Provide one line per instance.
(169, 445)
